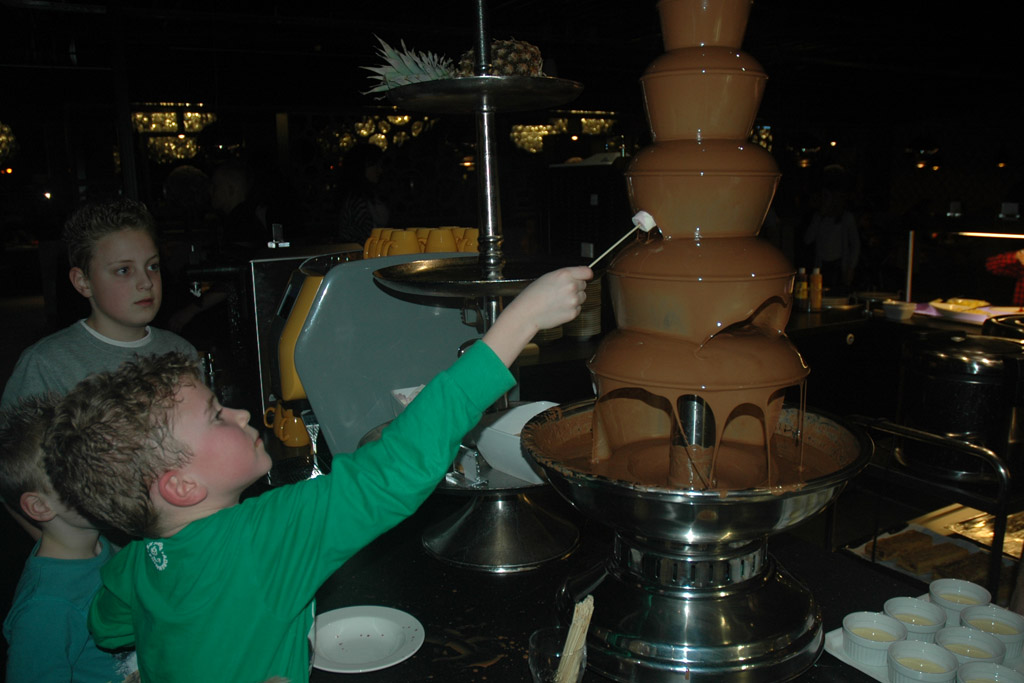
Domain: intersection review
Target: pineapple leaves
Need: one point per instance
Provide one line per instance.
(405, 66)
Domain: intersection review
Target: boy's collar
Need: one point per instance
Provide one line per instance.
(114, 342)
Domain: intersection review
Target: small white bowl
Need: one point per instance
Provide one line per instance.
(914, 661)
(987, 672)
(898, 310)
(1005, 625)
(953, 595)
(868, 635)
(922, 618)
(971, 645)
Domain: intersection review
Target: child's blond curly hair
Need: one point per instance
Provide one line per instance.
(111, 439)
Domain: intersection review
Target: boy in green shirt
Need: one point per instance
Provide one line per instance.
(215, 589)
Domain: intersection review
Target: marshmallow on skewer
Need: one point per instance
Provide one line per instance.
(641, 221)
(644, 221)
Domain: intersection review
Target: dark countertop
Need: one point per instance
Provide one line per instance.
(477, 623)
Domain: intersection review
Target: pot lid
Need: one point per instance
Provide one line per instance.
(1010, 326)
(979, 356)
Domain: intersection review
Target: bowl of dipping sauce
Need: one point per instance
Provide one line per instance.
(987, 672)
(971, 645)
(898, 310)
(1005, 625)
(914, 661)
(921, 618)
(868, 635)
(953, 595)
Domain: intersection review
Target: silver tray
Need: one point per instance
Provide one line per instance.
(459, 277)
(491, 93)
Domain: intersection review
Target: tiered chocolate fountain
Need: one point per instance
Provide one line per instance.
(688, 452)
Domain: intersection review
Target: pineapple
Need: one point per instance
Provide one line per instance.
(406, 66)
(508, 58)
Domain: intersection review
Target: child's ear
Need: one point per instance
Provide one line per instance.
(80, 281)
(180, 490)
(37, 506)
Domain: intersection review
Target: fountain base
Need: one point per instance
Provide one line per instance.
(761, 630)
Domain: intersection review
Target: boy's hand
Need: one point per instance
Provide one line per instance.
(549, 301)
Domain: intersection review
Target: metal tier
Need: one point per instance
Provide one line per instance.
(459, 277)
(491, 93)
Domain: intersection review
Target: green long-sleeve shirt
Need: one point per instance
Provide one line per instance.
(230, 596)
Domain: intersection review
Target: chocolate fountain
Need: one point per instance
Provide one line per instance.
(689, 453)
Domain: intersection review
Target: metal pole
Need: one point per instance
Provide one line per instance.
(489, 212)
(910, 266)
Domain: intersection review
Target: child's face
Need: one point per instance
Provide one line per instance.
(123, 285)
(227, 453)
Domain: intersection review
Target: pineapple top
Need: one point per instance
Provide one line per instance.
(404, 66)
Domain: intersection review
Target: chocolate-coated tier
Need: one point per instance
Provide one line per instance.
(695, 289)
(702, 93)
(715, 188)
(693, 23)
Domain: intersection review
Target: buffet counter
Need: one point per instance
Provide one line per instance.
(477, 623)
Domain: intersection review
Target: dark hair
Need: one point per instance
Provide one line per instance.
(91, 223)
(21, 437)
(111, 439)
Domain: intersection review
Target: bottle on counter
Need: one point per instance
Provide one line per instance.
(815, 290)
(800, 293)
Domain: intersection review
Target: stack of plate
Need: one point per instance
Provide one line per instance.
(548, 336)
(588, 323)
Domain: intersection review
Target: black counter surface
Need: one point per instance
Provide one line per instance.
(477, 623)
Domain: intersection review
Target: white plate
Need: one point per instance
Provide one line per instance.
(365, 638)
(498, 441)
(972, 315)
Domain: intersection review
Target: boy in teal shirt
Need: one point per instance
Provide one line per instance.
(217, 589)
(46, 626)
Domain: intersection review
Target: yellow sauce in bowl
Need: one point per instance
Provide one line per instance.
(922, 665)
(915, 619)
(870, 633)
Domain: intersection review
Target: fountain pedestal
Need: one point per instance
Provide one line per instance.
(766, 628)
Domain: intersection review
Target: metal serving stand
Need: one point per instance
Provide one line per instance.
(486, 535)
(892, 437)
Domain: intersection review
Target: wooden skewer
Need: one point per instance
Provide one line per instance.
(572, 652)
(641, 221)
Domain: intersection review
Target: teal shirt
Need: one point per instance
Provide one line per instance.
(230, 597)
(46, 627)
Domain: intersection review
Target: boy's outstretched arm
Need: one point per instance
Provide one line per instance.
(549, 301)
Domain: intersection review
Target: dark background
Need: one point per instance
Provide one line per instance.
(882, 80)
